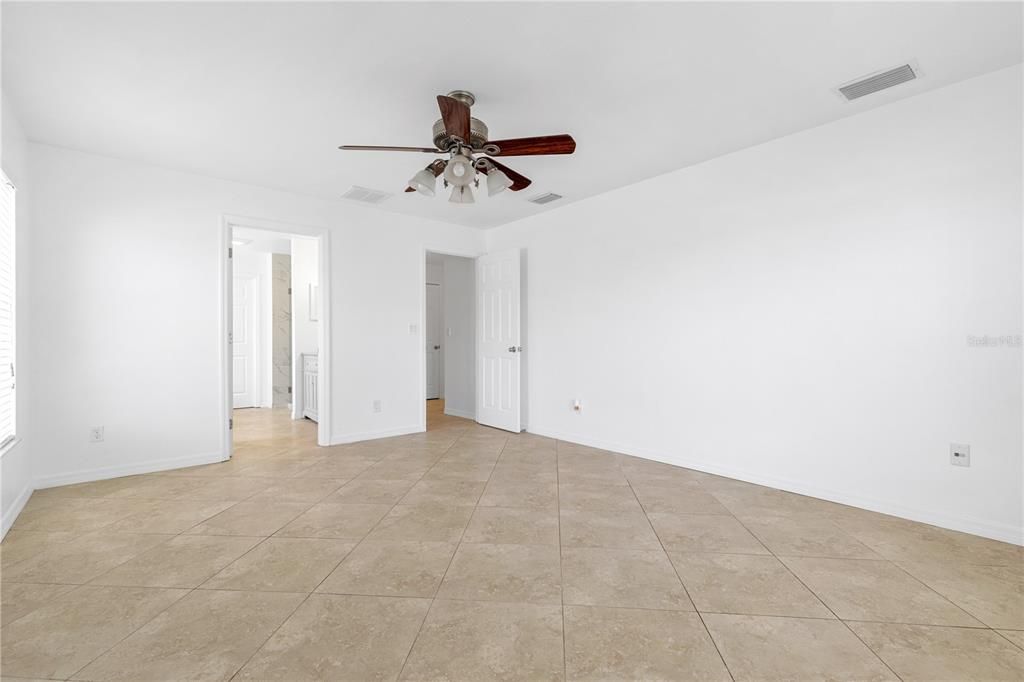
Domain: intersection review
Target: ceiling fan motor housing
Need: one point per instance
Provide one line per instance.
(477, 134)
(462, 168)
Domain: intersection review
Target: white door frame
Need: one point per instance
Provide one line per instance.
(322, 235)
(422, 390)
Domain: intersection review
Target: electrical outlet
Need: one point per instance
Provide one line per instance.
(376, 406)
(960, 454)
(96, 434)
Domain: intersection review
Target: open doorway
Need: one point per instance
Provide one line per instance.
(449, 334)
(276, 316)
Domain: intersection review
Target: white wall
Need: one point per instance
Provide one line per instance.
(305, 332)
(127, 311)
(17, 463)
(459, 336)
(797, 313)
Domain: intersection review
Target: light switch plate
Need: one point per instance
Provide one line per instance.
(960, 454)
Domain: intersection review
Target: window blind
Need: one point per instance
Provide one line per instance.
(7, 281)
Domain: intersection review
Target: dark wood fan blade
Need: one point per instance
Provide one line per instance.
(519, 181)
(377, 148)
(531, 146)
(455, 115)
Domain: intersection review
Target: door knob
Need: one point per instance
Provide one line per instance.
(437, 347)
(513, 349)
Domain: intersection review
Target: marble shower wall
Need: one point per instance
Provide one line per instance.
(281, 302)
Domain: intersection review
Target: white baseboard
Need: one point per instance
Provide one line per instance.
(465, 414)
(87, 475)
(11, 513)
(344, 438)
(984, 528)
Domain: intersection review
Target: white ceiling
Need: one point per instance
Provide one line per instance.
(264, 92)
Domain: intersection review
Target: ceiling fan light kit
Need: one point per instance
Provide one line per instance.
(497, 182)
(460, 136)
(459, 171)
(462, 195)
(424, 182)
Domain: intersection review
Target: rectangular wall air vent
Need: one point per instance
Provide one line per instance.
(367, 196)
(545, 198)
(878, 81)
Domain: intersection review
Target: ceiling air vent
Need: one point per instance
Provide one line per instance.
(545, 198)
(367, 196)
(877, 81)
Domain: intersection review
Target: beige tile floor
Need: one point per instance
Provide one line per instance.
(466, 553)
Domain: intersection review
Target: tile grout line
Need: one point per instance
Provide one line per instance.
(171, 537)
(451, 560)
(820, 600)
(463, 431)
(686, 591)
(340, 561)
(189, 590)
(941, 596)
(264, 642)
(882, 558)
(1001, 634)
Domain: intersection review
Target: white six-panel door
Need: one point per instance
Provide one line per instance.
(498, 343)
(433, 341)
(245, 385)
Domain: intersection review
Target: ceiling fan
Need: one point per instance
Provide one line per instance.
(464, 140)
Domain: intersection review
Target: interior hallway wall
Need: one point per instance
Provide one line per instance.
(146, 362)
(804, 313)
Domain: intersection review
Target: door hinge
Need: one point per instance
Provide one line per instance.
(231, 252)
(231, 337)
(289, 389)
(289, 291)
(231, 424)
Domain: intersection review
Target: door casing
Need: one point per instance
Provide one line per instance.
(322, 235)
(472, 255)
